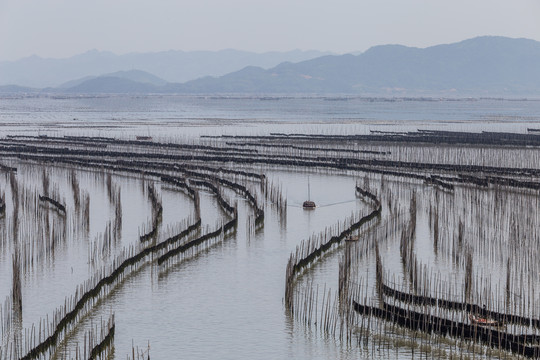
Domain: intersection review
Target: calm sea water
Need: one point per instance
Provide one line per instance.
(184, 116)
(225, 302)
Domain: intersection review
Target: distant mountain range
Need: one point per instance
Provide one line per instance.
(483, 66)
(173, 66)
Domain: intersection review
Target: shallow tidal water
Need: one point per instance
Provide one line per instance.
(224, 301)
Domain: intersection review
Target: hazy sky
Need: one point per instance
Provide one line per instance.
(61, 28)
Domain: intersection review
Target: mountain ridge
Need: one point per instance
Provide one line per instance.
(483, 66)
(171, 65)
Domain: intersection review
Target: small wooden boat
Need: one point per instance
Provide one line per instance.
(476, 320)
(308, 204)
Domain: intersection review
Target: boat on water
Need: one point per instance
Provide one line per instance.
(476, 320)
(308, 204)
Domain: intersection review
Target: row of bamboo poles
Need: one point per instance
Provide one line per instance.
(458, 198)
(106, 277)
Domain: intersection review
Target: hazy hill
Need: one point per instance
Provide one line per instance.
(111, 85)
(138, 76)
(483, 65)
(173, 66)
